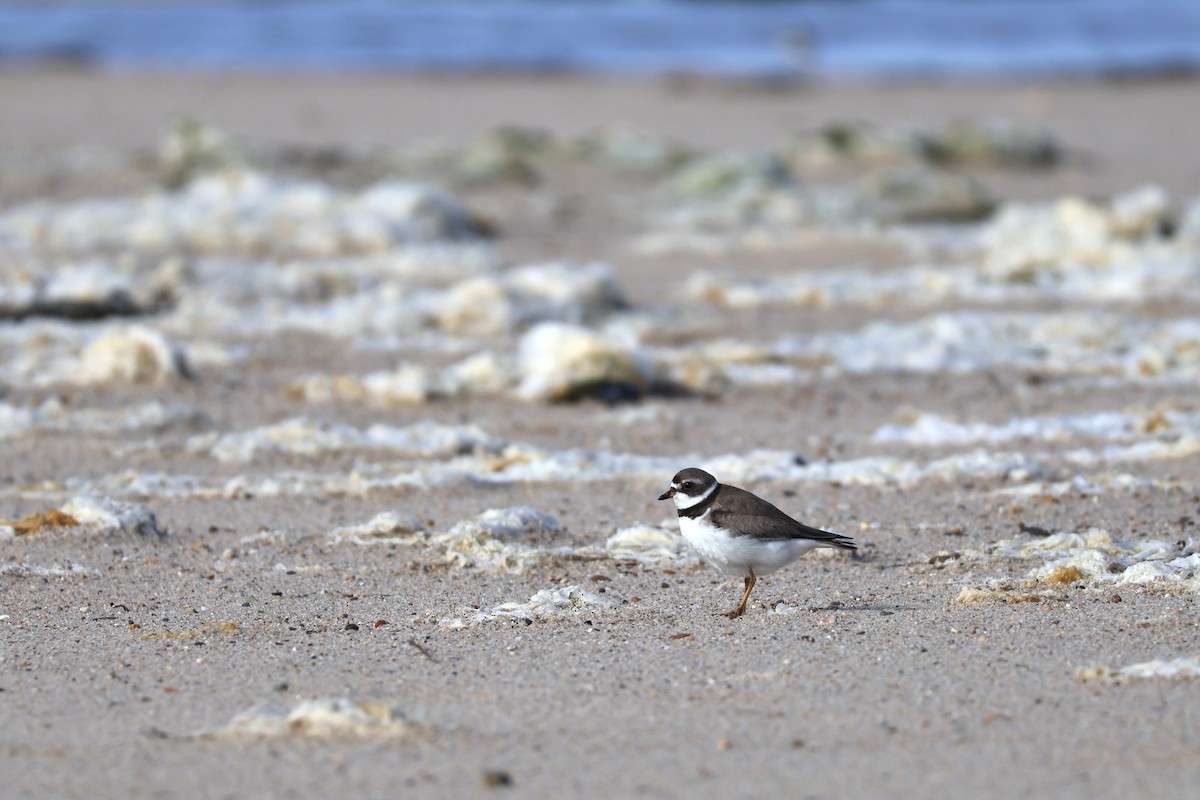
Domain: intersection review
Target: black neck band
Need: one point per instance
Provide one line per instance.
(700, 508)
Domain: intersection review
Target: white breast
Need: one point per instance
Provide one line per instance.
(737, 555)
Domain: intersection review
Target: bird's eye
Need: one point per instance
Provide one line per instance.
(687, 484)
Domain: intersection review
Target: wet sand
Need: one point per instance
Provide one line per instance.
(849, 676)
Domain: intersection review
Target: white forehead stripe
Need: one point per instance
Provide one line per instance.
(684, 501)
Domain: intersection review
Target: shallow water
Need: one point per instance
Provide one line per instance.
(885, 38)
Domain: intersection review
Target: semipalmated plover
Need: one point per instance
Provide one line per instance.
(740, 534)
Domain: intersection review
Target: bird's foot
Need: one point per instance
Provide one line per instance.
(737, 612)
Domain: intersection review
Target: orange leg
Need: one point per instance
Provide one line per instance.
(741, 609)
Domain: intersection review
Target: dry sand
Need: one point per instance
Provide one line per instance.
(877, 684)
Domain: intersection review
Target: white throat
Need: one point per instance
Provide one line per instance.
(686, 501)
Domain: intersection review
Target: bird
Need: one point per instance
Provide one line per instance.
(738, 533)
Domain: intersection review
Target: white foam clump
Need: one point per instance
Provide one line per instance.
(650, 544)
(557, 361)
(47, 353)
(545, 604)
(103, 515)
(492, 540)
(1095, 343)
(591, 289)
(476, 307)
(1094, 539)
(355, 297)
(1095, 555)
(711, 366)
(320, 718)
(1069, 250)
(93, 286)
(1171, 274)
(303, 437)
(407, 384)
(384, 294)
(384, 528)
(1175, 668)
(245, 212)
(496, 304)
(1183, 668)
(52, 415)
(933, 430)
(482, 374)
(1023, 242)
(133, 354)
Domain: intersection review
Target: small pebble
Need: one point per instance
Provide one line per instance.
(496, 778)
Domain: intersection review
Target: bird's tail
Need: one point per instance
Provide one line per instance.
(830, 539)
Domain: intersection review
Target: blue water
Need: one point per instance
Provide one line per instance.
(879, 38)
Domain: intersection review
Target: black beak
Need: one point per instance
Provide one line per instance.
(668, 494)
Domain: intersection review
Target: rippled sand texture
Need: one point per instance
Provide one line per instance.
(331, 434)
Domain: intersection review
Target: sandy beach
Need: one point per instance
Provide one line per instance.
(332, 429)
